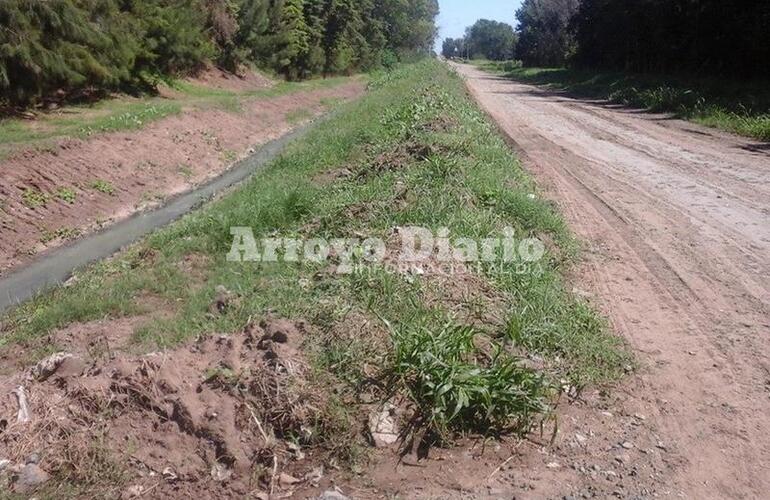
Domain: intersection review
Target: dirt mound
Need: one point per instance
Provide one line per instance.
(246, 79)
(225, 416)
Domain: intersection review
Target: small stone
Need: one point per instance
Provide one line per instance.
(4, 464)
(61, 361)
(132, 492)
(383, 427)
(314, 476)
(622, 459)
(553, 465)
(296, 449)
(169, 475)
(33, 458)
(627, 445)
(287, 480)
(220, 473)
(581, 439)
(332, 495)
(30, 477)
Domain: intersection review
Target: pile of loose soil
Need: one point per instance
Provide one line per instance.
(226, 416)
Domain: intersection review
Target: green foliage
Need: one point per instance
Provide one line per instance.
(34, 198)
(46, 46)
(736, 106)
(485, 39)
(68, 49)
(66, 195)
(544, 35)
(103, 186)
(663, 36)
(455, 385)
(172, 35)
(490, 39)
(453, 47)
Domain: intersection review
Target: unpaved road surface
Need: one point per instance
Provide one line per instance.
(676, 220)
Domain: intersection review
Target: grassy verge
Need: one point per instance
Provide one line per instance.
(130, 113)
(734, 106)
(484, 352)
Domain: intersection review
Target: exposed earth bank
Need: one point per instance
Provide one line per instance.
(62, 191)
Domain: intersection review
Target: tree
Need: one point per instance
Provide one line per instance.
(491, 39)
(703, 36)
(172, 37)
(66, 47)
(544, 32)
(50, 46)
(453, 47)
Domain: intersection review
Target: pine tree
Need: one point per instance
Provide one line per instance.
(50, 46)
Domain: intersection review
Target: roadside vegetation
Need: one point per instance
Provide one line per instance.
(81, 50)
(488, 351)
(735, 106)
(697, 60)
(122, 113)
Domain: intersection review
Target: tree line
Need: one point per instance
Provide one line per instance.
(704, 36)
(699, 36)
(489, 39)
(68, 47)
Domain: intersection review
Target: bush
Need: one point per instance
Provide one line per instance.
(456, 386)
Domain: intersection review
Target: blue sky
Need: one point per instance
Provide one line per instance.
(456, 15)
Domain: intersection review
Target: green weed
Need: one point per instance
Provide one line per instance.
(456, 385)
(66, 195)
(34, 198)
(63, 233)
(103, 186)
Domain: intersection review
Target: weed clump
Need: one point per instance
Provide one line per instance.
(455, 385)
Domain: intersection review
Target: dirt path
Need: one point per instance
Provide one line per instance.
(676, 220)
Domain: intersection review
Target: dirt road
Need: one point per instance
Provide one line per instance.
(676, 220)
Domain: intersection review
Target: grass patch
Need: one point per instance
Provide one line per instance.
(416, 151)
(34, 198)
(66, 195)
(63, 233)
(731, 105)
(131, 113)
(103, 186)
(298, 116)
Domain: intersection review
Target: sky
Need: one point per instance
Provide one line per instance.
(456, 15)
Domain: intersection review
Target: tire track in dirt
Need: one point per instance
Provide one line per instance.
(676, 225)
